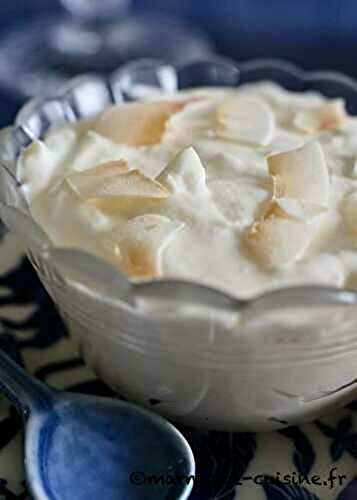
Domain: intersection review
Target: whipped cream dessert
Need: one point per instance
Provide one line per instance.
(242, 189)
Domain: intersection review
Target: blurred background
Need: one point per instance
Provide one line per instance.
(45, 41)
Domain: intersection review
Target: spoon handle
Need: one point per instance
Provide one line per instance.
(24, 391)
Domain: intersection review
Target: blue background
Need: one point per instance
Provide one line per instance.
(312, 33)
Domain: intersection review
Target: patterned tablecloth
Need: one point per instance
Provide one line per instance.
(305, 459)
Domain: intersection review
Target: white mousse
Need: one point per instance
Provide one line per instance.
(244, 190)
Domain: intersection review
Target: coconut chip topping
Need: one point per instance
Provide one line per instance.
(115, 180)
(300, 191)
(245, 120)
(329, 116)
(140, 243)
(242, 189)
(137, 123)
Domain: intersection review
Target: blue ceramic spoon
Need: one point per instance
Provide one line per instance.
(89, 448)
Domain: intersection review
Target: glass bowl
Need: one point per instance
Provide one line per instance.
(198, 365)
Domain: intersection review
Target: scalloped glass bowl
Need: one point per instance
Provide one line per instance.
(199, 366)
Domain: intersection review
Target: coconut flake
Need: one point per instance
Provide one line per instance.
(277, 242)
(329, 116)
(185, 173)
(140, 243)
(301, 174)
(245, 119)
(300, 193)
(294, 209)
(115, 180)
(138, 123)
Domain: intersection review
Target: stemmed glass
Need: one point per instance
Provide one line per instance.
(91, 36)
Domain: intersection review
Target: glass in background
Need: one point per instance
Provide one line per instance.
(91, 36)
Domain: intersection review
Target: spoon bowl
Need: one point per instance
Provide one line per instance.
(84, 447)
